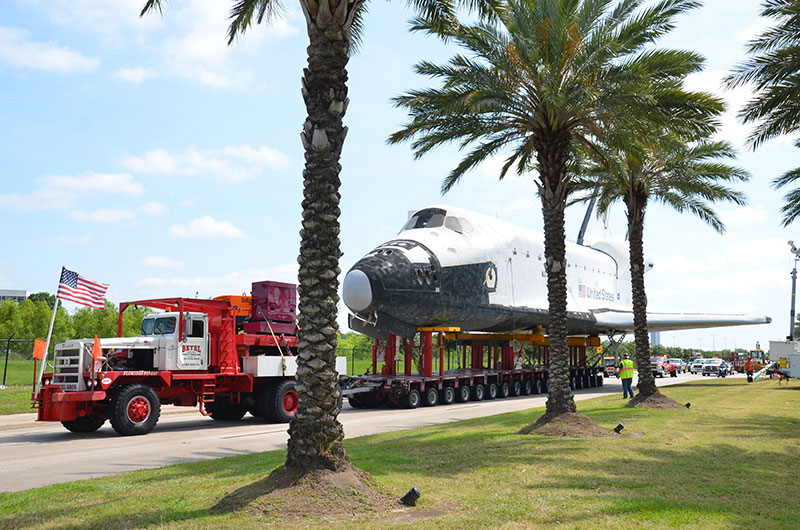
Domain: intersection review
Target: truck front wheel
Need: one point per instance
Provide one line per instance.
(84, 424)
(134, 410)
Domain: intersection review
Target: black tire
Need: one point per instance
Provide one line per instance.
(224, 410)
(600, 381)
(516, 388)
(572, 383)
(356, 402)
(587, 382)
(546, 385)
(134, 410)
(527, 388)
(462, 394)
(431, 397)
(84, 424)
(478, 392)
(505, 391)
(491, 391)
(447, 395)
(539, 388)
(412, 399)
(277, 402)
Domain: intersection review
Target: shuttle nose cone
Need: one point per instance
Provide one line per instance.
(356, 290)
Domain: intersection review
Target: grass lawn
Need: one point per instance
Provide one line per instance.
(727, 462)
(19, 379)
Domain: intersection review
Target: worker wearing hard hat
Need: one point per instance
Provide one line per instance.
(626, 374)
(748, 369)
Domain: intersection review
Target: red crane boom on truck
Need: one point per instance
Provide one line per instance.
(228, 356)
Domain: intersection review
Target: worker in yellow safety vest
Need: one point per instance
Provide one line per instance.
(626, 374)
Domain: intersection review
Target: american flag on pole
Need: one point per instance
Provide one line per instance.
(75, 288)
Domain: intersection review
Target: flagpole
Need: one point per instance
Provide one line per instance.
(47, 342)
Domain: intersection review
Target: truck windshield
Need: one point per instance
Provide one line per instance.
(147, 327)
(165, 326)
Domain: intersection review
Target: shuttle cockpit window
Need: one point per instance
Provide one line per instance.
(465, 225)
(453, 224)
(428, 218)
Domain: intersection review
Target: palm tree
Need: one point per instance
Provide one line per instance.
(334, 27)
(550, 75)
(774, 69)
(664, 169)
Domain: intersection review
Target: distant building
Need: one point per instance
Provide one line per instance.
(655, 338)
(14, 294)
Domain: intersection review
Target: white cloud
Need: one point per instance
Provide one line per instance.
(152, 208)
(745, 216)
(711, 81)
(135, 75)
(229, 164)
(207, 227)
(82, 240)
(58, 192)
(162, 262)
(104, 215)
(238, 282)
(106, 18)
(19, 52)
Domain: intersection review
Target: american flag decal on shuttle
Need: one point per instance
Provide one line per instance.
(581, 290)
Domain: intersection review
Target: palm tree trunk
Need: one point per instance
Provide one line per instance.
(315, 434)
(647, 382)
(552, 151)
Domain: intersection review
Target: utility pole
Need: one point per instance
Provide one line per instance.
(796, 252)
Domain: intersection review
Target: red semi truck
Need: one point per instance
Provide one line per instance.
(228, 356)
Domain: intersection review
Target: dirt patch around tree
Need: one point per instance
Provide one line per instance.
(654, 401)
(319, 497)
(568, 425)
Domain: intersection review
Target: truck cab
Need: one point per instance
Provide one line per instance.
(188, 352)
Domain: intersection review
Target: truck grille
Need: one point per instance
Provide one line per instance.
(67, 372)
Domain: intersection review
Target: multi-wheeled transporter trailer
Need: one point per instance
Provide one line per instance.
(227, 356)
(489, 366)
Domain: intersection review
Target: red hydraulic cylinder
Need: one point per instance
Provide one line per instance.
(477, 357)
(375, 357)
(389, 365)
(441, 355)
(508, 357)
(426, 353)
(407, 361)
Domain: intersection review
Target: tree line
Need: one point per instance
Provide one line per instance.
(30, 319)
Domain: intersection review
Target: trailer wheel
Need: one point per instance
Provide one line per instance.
(539, 386)
(278, 403)
(505, 390)
(462, 396)
(412, 399)
(527, 388)
(134, 410)
(516, 389)
(447, 395)
(431, 397)
(491, 391)
(478, 392)
(84, 424)
(223, 410)
(572, 383)
(356, 402)
(545, 385)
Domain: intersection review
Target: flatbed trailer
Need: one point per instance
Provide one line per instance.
(490, 366)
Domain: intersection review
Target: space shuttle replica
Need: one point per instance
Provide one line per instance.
(450, 267)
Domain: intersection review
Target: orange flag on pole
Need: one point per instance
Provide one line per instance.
(96, 351)
(39, 349)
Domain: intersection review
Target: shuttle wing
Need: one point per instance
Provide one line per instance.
(660, 321)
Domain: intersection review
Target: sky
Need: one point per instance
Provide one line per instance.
(148, 154)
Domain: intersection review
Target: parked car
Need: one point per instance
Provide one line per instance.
(661, 367)
(681, 364)
(712, 366)
(696, 366)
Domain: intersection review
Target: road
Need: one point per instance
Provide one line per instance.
(38, 454)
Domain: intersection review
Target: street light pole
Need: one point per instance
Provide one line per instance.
(796, 252)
